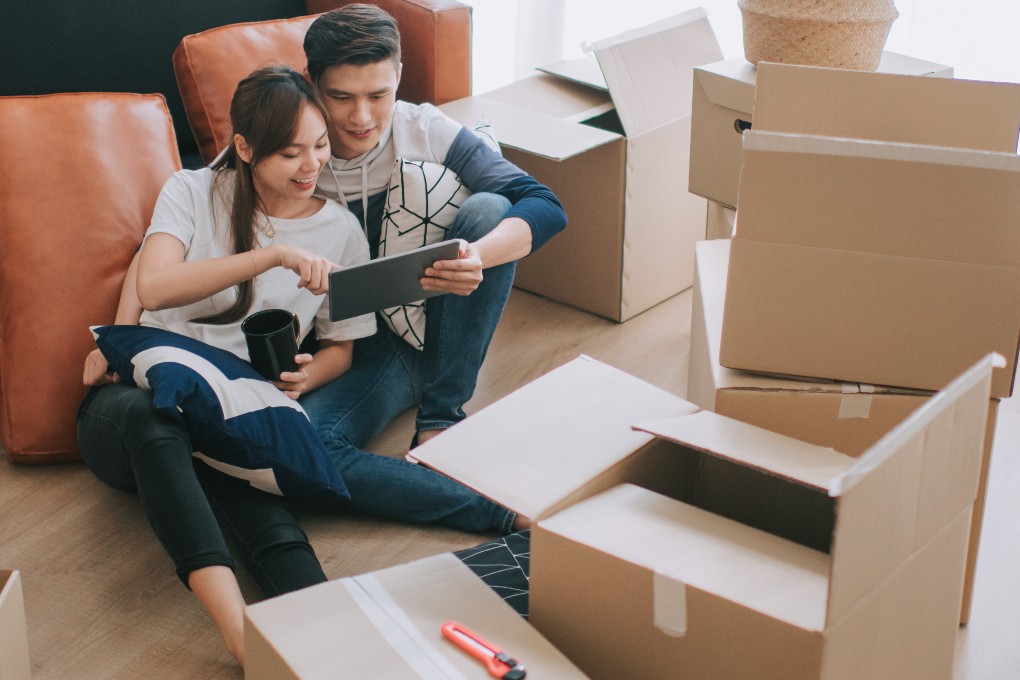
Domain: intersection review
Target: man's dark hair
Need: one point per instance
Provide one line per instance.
(356, 34)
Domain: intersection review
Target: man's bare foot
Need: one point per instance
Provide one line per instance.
(521, 523)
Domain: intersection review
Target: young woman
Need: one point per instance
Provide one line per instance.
(226, 241)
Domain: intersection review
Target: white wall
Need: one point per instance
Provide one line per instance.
(977, 37)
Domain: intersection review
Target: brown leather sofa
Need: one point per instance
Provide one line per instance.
(81, 176)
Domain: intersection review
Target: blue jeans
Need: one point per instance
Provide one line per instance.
(388, 376)
(193, 510)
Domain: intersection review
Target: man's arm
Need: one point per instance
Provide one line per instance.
(536, 216)
(510, 240)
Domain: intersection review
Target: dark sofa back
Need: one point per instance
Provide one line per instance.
(114, 46)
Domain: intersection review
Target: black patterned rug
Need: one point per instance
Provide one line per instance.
(503, 565)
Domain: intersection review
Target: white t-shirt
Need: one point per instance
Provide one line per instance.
(189, 210)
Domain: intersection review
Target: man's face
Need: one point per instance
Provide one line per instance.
(360, 103)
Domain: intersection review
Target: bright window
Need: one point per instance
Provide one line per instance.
(511, 37)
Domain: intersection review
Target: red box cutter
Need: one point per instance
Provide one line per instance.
(499, 664)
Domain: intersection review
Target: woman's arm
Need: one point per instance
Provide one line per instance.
(165, 280)
(129, 311)
(329, 363)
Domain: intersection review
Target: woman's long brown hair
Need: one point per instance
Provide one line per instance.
(265, 110)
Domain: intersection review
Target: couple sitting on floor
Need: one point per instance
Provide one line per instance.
(299, 191)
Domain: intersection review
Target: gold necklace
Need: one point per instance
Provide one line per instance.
(270, 230)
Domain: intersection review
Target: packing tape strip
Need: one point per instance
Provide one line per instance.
(398, 629)
(856, 401)
(669, 601)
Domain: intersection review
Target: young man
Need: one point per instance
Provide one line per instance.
(354, 60)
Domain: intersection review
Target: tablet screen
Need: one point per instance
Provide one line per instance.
(385, 282)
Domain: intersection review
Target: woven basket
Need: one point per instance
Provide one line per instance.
(836, 33)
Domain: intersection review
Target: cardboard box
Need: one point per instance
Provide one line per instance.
(14, 662)
(722, 107)
(610, 135)
(846, 417)
(386, 624)
(887, 263)
(759, 555)
(721, 221)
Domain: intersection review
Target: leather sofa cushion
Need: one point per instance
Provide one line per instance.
(210, 64)
(81, 176)
(435, 39)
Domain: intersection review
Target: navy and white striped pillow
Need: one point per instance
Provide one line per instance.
(239, 422)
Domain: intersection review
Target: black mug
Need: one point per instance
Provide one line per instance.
(272, 338)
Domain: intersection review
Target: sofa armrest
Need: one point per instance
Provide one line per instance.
(435, 38)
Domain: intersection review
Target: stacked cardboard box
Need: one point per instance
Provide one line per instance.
(722, 108)
(673, 542)
(876, 241)
(610, 135)
(846, 417)
(875, 246)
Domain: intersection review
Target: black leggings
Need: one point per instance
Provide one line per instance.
(131, 446)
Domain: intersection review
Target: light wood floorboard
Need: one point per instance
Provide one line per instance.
(102, 600)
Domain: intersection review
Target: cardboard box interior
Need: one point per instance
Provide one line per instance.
(610, 136)
(387, 624)
(729, 602)
(692, 593)
(887, 263)
(723, 104)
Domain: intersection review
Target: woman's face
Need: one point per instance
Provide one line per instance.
(285, 180)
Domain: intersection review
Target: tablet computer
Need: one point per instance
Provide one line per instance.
(386, 281)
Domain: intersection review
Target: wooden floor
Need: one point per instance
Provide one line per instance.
(102, 600)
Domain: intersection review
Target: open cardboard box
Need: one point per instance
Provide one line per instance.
(14, 662)
(757, 554)
(386, 624)
(870, 260)
(723, 105)
(610, 135)
(847, 417)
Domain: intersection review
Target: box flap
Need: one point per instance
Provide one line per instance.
(387, 624)
(536, 133)
(701, 550)
(649, 70)
(729, 84)
(887, 107)
(906, 200)
(754, 447)
(585, 70)
(902, 492)
(14, 659)
(554, 97)
(543, 443)
(911, 66)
